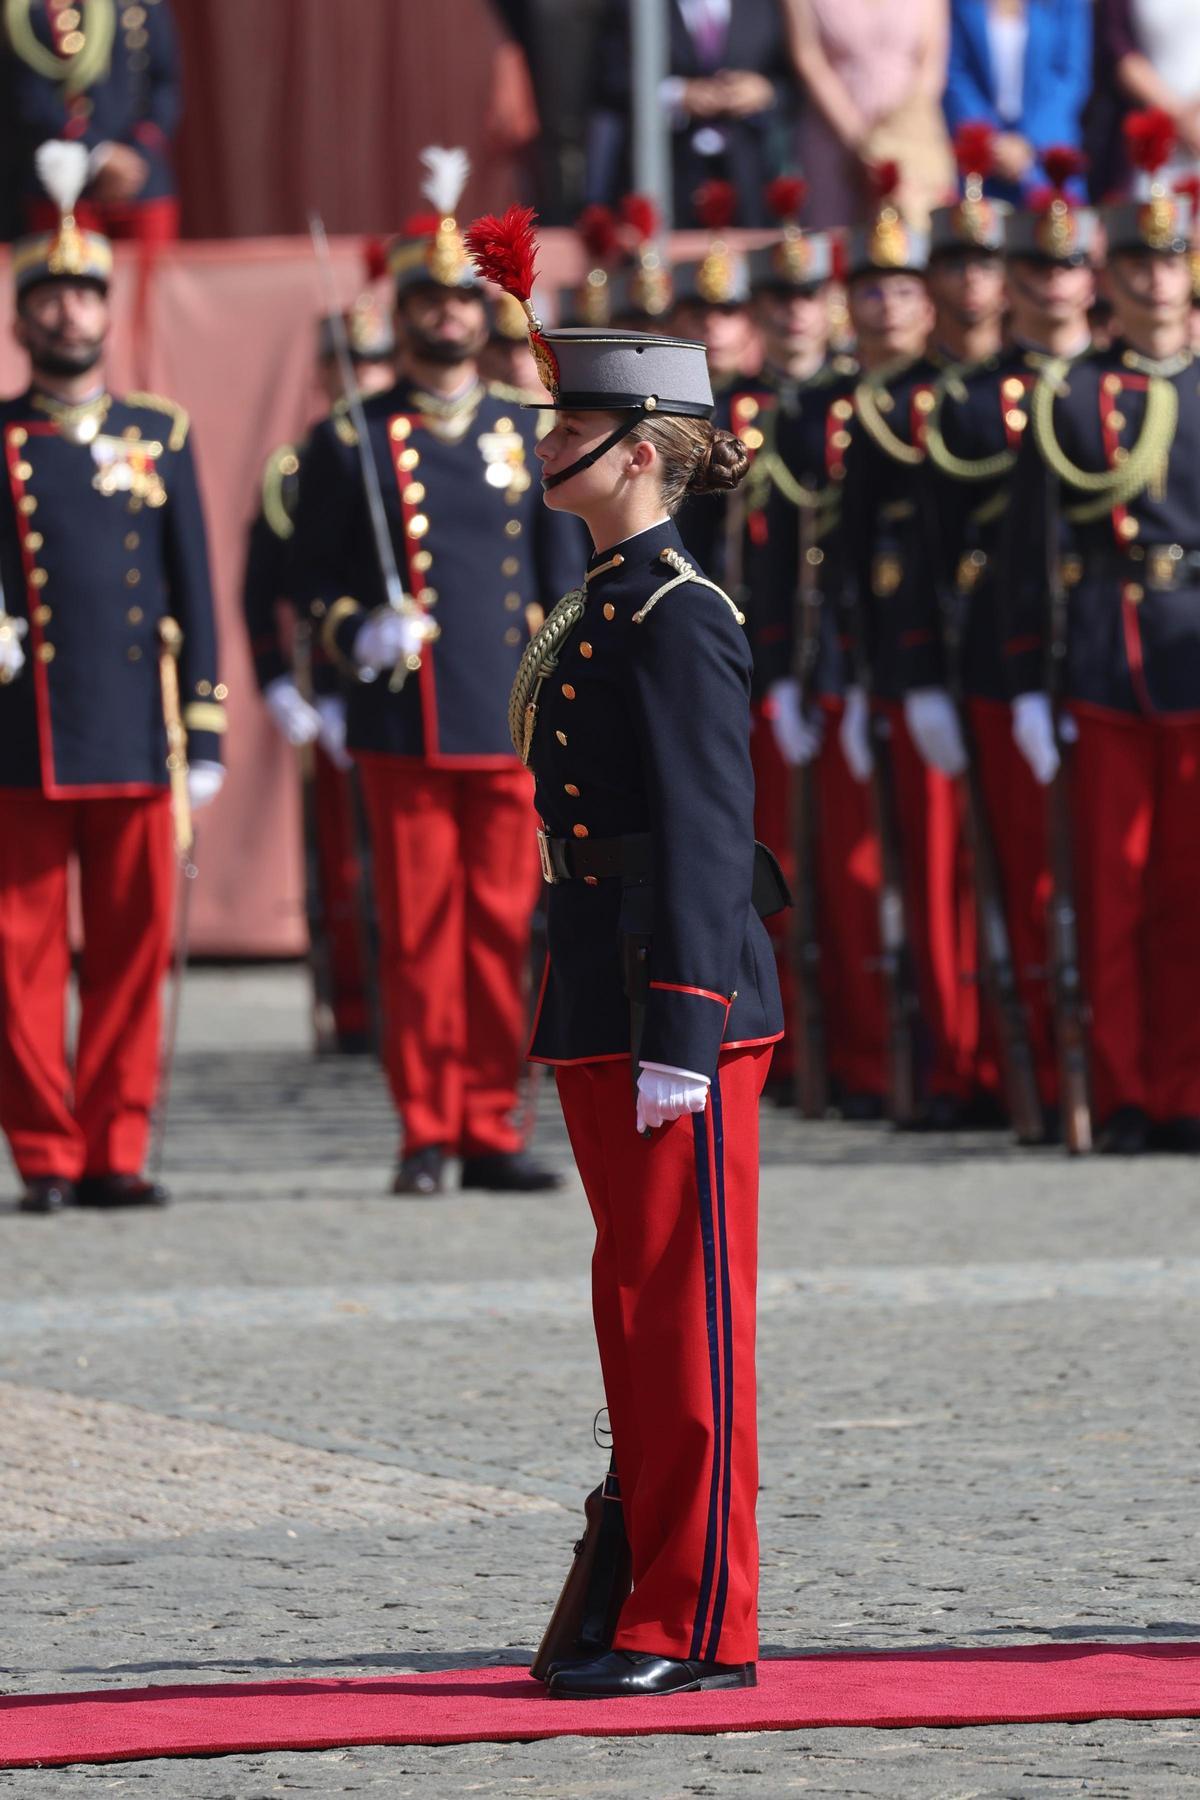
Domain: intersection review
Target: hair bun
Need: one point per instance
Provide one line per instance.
(721, 464)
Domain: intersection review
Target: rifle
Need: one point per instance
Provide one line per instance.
(1069, 1007)
(320, 958)
(811, 1071)
(997, 970)
(598, 1582)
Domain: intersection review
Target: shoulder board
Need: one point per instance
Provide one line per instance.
(340, 419)
(278, 498)
(684, 572)
(176, 413)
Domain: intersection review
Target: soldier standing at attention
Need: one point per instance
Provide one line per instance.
(303, 692)
(448, 803)
(103, 572)
(1108, 482)
(632, 707)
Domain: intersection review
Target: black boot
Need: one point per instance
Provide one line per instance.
(508, 1172)
(625, 1674)
(119, 1190)
(1178, 1137)
(1123, 1133)
(584, 1621)
(46, 1194)
(421, 1173)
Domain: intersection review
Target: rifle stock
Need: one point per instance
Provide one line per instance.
(584, 1620)
(811, 1068)
(903, 999)
(320, 959)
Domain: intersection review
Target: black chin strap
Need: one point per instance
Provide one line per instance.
(593, 456)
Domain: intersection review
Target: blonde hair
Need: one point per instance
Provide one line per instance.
(696, 457)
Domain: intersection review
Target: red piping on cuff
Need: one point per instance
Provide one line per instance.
(673, 987)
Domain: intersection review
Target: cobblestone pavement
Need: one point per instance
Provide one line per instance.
(294, 1427)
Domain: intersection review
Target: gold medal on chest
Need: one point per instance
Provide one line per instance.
(128, 466)
(503, 452)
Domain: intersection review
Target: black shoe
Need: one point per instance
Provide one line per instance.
(1178, 1137)
(1124, 1132)
(421, 1173)
(632, 1672)
(354, 1043)
(944, 1113)
(119, 1190)
(508, 1172)
(46, 1194)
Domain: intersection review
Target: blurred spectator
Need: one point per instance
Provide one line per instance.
(1147, 54)
(558, 41)
(730, 96)
(875, 71)
(1023, 66)
(115, 88)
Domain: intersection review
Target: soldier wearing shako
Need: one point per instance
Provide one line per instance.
(448, 803)
(106, 637)
(632, 709)
(898, 643)
(786, 514)
(973, 436)
(643, 290)
(1105, 587)
(302, 688)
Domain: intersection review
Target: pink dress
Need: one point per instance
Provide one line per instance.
(875, 47)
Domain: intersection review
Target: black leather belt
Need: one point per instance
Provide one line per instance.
(630, 858)
(594, 859)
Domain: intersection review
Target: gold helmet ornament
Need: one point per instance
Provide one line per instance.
(430, 251)
(68, 253)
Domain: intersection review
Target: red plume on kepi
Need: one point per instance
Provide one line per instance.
(597, 226)
(785, 198)
(1149, 138)
(1062, 163)
(884, 179)
(716, 204)
(504, 251)
(641, 215)
(973, 143)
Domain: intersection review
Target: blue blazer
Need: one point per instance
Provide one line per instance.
(1058, 78)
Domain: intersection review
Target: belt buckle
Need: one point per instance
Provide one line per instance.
(1163, 563)
(543, 844)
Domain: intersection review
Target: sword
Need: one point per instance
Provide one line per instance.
(171, 638)
(397, 599)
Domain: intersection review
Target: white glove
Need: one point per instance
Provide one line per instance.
(665, 1093)
(387, 639)
(12, 657)
(854, 734)
(331, 711)
(797, 738)
(294, 717)
(933, 725)
(205, 781)
(1033, 732)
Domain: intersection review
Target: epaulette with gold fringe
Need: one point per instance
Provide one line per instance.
(177, 413)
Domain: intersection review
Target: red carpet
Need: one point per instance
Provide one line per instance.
(1029, 1685)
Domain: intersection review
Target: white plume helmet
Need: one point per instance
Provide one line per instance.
(62, 170)
(446, 174)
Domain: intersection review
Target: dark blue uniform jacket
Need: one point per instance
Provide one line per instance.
(644, 728)
(474, 546)
(98, 542)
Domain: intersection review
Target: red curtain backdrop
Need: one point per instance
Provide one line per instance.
(295, 104)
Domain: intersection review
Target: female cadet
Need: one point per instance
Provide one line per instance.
(631, 707)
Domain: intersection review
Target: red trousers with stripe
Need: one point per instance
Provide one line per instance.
(1136, 801)
(96, 1122)
(1019, 823)
(337, 864)
(941, 912)
(456, 879)
(674, 1277)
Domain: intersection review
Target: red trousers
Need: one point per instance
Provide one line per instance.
(337, 863)
(847, 883)
(98, 1123)
(674, 1277)
(941, 913)
(1019, 825)
(1136, 801)
(143, 221)
(456, 879)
